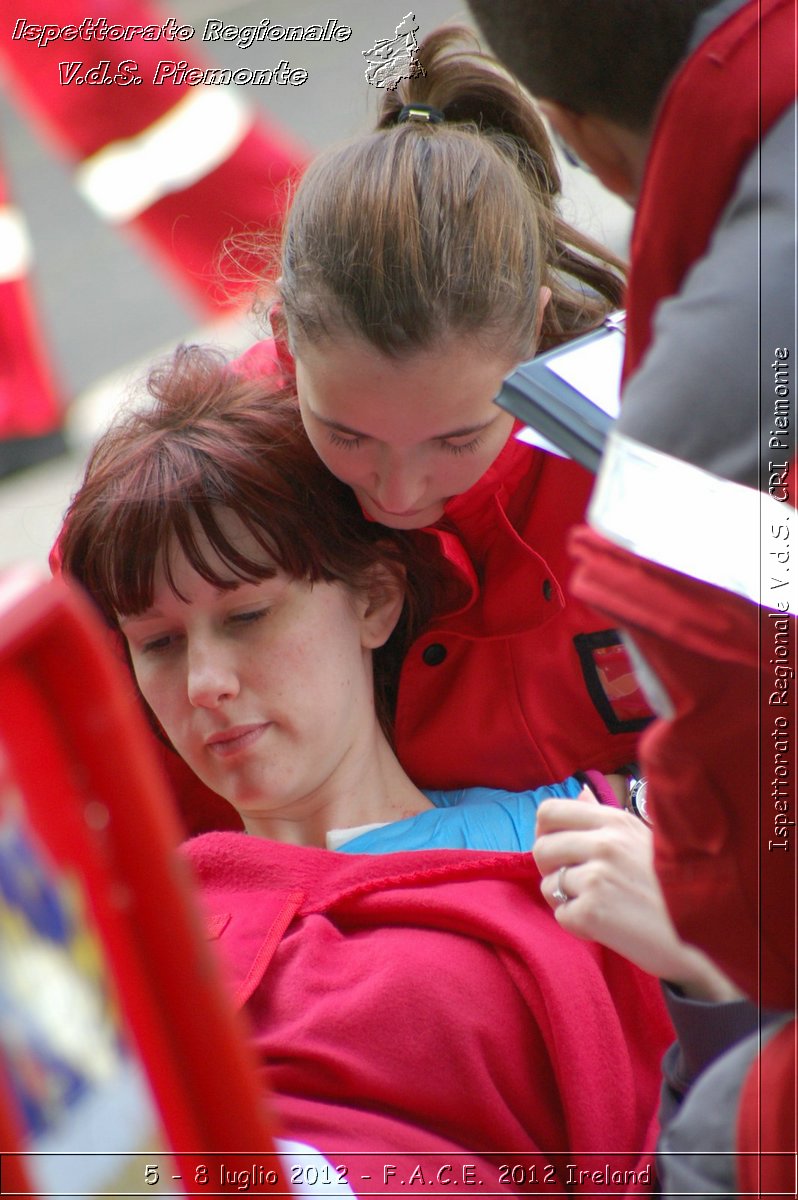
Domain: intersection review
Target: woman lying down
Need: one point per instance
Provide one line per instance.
(422, 1001)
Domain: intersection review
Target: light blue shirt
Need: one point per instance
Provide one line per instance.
(470, 819)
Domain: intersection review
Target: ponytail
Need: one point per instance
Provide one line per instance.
(426, 230)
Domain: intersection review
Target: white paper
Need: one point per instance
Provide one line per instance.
(533, 438)
(594, 369)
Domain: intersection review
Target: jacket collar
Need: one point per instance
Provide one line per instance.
(478, 537)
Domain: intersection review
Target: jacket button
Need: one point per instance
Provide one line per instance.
(547, 589)
(434, 654)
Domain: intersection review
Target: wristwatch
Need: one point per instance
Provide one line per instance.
(636, 799)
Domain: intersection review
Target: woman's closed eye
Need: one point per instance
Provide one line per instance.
(163, 642)
(347, 443)
(469, 447)
(249, 617)
(159, 644)
(354, 443)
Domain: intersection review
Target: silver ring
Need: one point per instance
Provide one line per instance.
(559, 894)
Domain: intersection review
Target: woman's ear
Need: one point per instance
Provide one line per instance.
(278, 324)
(380, 604)
(545, 296)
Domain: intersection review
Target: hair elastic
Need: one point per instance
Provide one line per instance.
(420, 112)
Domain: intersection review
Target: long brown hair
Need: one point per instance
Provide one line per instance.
(420, 231)
(214, 440)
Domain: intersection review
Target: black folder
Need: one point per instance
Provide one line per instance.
(568, 418)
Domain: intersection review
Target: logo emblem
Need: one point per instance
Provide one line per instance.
(392, 59)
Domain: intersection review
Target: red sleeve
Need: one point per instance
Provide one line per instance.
(766, 1140)
(719, 853)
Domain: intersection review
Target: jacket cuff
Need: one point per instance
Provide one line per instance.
(597, 783)
(704, 1030)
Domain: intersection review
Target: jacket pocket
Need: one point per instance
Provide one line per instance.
(611, 681)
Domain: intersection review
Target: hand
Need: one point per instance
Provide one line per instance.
(614, 897)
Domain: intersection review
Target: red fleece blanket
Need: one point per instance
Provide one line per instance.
(428, 1004)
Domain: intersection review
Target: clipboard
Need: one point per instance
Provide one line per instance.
(568, 398)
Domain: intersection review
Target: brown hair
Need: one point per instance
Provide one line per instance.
(215, 440)
(419, 231)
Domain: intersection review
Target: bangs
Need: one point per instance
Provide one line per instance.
(240, 567)
(176, 499)
(129, 578)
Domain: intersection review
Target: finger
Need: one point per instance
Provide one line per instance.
(556, 887)
(554, 850)
(573, 912)
(555, 815)
(620, 841)
(580, 913)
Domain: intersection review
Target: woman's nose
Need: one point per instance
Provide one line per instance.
(399, 486)
(212, 677)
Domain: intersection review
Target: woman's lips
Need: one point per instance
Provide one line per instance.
(408, 512)
(237, 738)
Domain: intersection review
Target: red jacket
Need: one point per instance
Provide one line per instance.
(722, 766)
(721, 103)
(525, 683)
(429, 1003)
(716, 822)
(705, 766)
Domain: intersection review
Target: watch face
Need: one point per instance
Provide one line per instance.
(637, 800)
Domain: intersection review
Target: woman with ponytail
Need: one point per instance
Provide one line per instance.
(420, 264)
